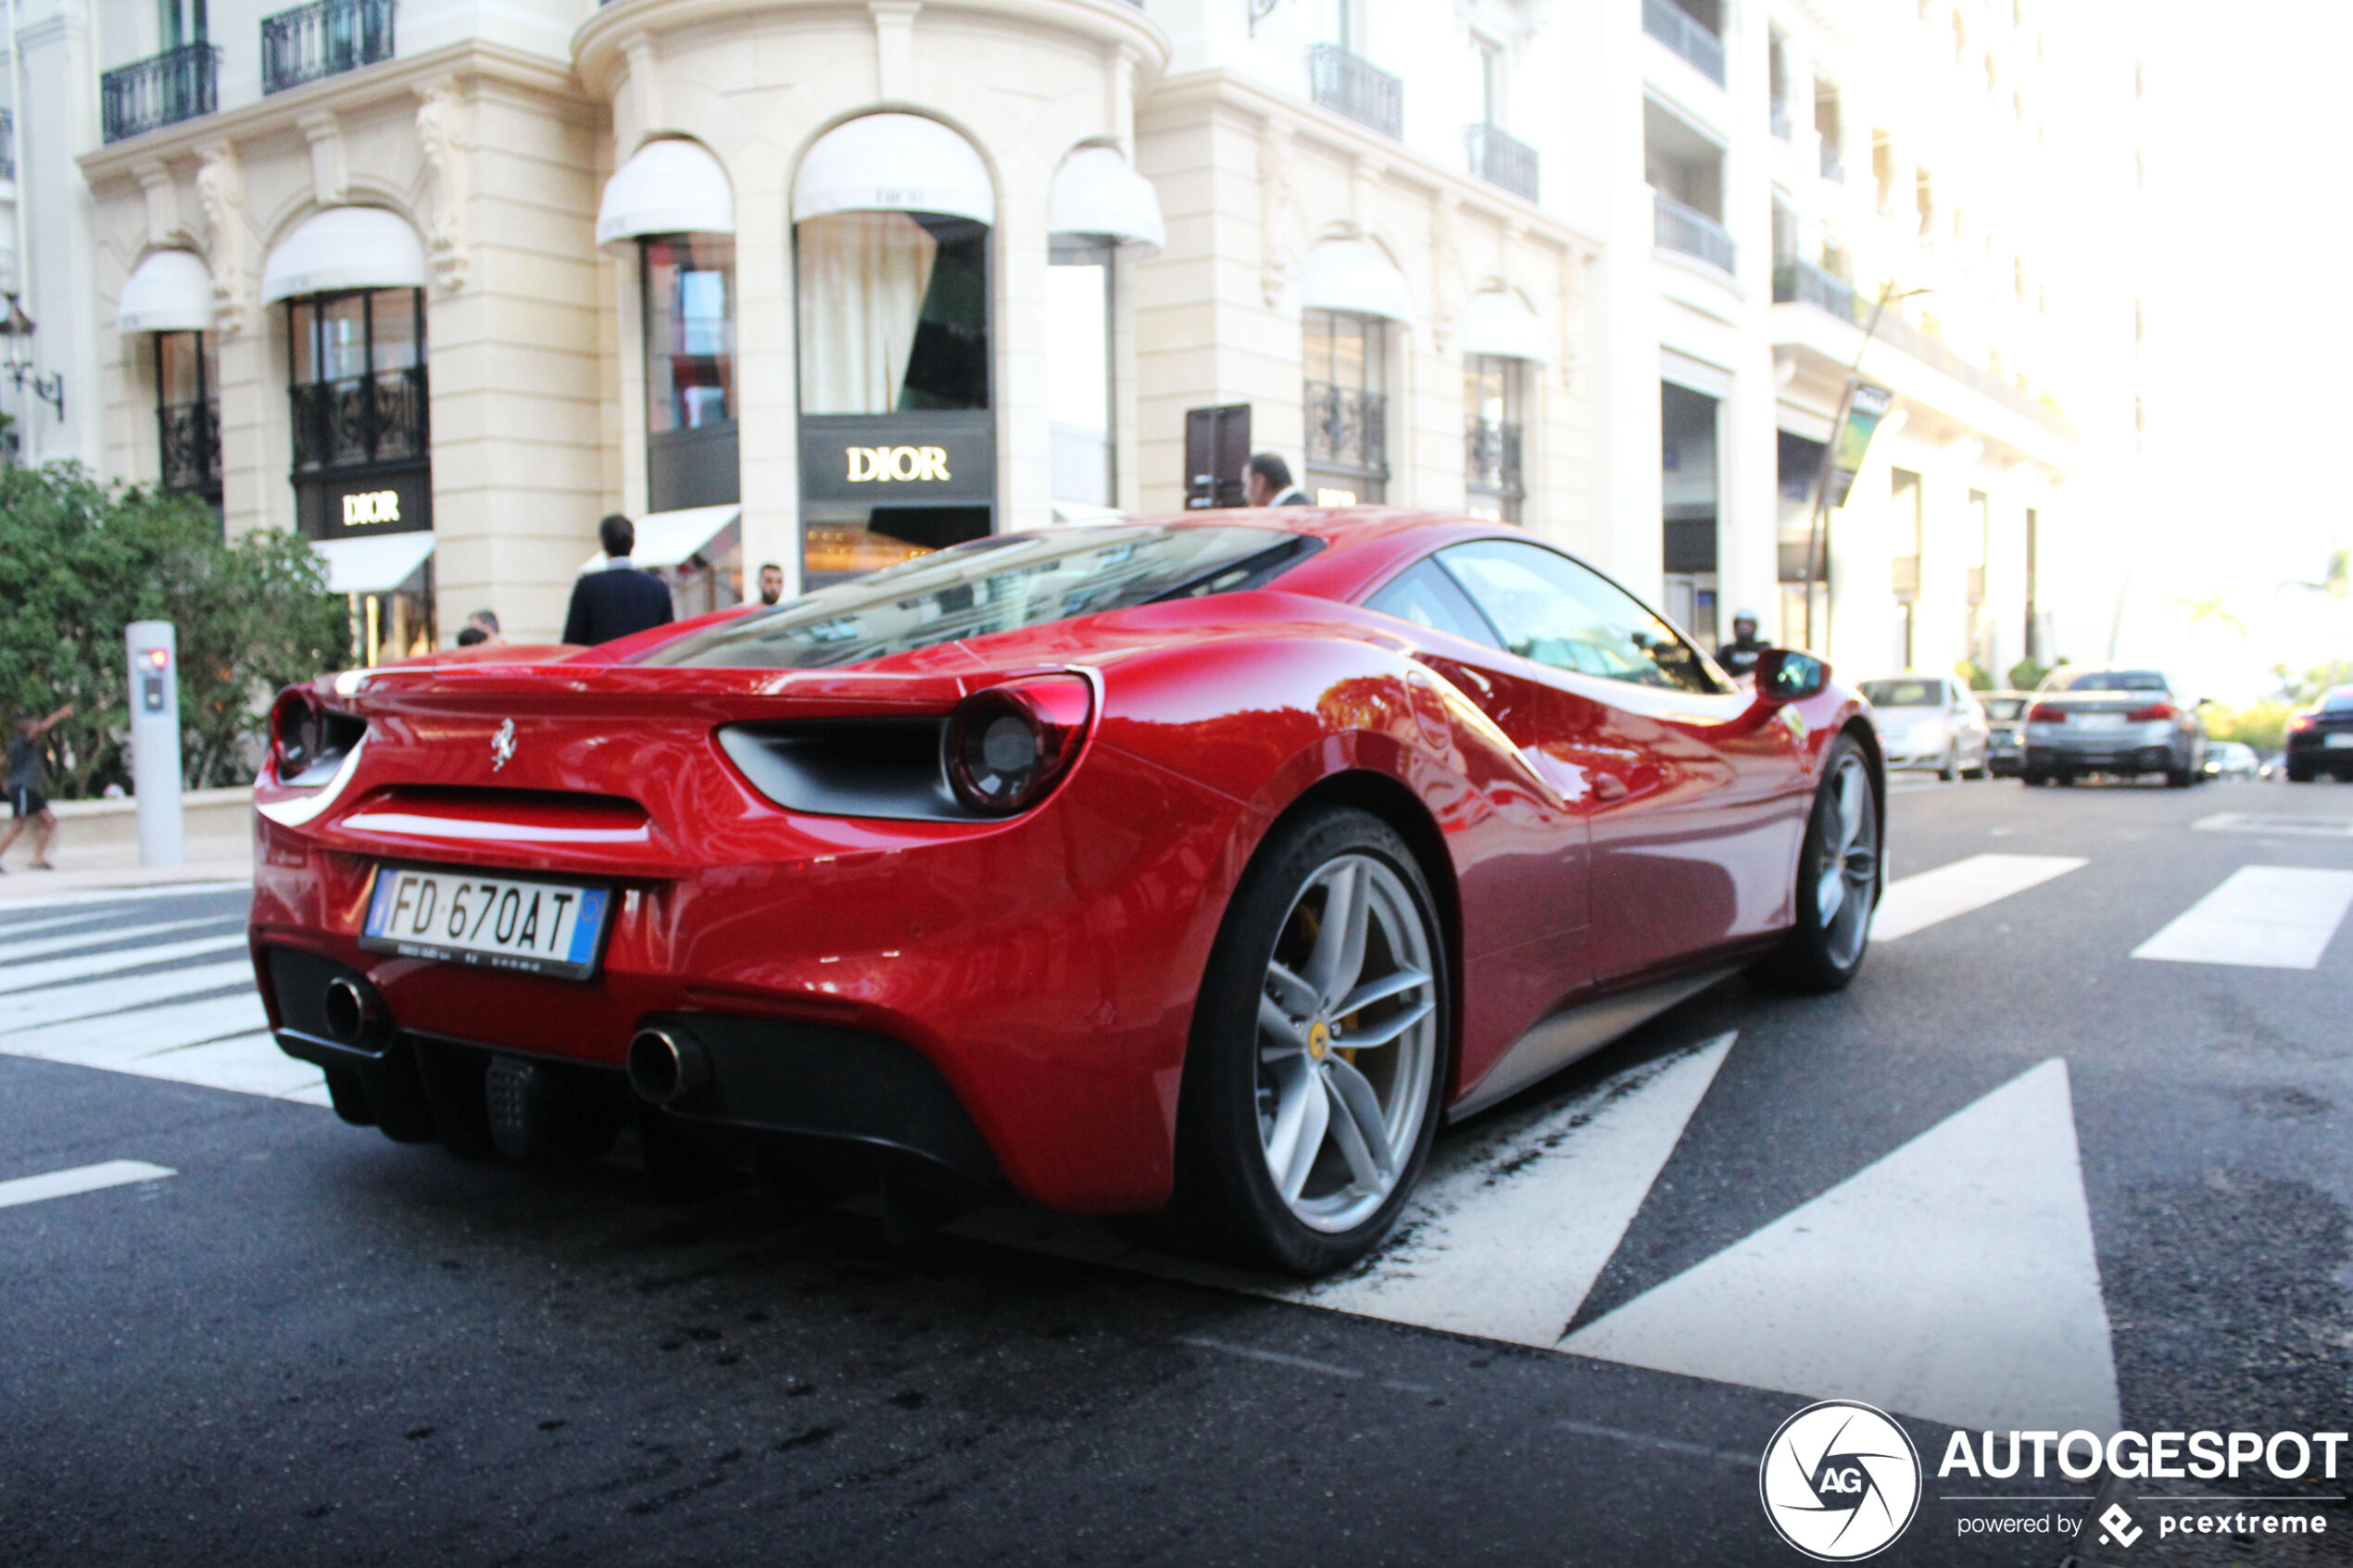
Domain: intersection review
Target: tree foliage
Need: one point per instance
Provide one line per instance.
(79, 561)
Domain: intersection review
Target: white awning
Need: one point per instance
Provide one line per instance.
(671, 186)
(171, 292)
(373, 563)
(670, 538)
(893, 163)
(1355, 275)
(1500, 322)
(1097, 196)
(346, 247)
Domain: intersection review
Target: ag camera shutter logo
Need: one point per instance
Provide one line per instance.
(1840, 1481)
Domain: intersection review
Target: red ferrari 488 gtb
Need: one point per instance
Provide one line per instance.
(1200, 865)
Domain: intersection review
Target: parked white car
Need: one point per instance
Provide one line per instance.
(1931, 721)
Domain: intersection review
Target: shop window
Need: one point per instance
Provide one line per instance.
(897, 440)
(358, 380)
(1078, 376)
(894, 313)
(1347, 406)
(188, 413)
(691, 452)
(1493, 476)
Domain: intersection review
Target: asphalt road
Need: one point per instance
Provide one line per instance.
(2012, 1151)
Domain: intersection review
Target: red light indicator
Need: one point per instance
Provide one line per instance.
(159, 657)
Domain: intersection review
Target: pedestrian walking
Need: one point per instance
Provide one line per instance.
(621, 599)
(25, 799)
(1267, 483)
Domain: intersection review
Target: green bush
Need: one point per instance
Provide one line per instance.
(79, 561)
(2262, 726)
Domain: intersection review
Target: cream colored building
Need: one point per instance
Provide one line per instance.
(822, 283)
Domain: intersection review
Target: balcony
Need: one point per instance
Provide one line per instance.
(1491, 458)
(1356, 88)
(190, 434)
(1502, 160)
(360, 423)
(1348, 430)
(1802, 282)
(322, 40)
(1675, 27)
(160, 89)
(1684, 229)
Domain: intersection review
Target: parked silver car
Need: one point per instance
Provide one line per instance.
(2006, 722)
(2123, 722)
(2230, 760)
(1928, 722)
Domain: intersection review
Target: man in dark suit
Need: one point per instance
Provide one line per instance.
(1267, 483)
(620, 599)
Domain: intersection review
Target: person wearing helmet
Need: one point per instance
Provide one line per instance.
(1738, 656)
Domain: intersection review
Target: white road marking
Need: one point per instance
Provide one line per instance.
(81, 1178)
(2257, 822)
(13, 953)
(29, 1009)
(247, 1064)
(117, 1039)
(126, 894)
(1915, 903)
(12, 929)
(1954, 1280)
(1511, 1225)
(2263, 917)
(57, 971)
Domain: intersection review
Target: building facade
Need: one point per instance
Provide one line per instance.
(826, 283)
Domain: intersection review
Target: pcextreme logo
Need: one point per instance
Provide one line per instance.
(1840, 1481)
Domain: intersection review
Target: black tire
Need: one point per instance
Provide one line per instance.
(1818, 954)
(1978, 773)
(1951, 771)
(2299, 775)
(2067, 779)
(2035, 778)
(2179, 778)
(1226, 1202)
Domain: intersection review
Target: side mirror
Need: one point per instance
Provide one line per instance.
(1788, 675)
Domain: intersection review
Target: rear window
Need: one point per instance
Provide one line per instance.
(2338, 701)
(2005, 707)
(1000, 584)
(1904, 694)
(2105, 681)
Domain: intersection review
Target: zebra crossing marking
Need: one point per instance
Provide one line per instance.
(2261, 917)
(81, 1178)
(1926, 899)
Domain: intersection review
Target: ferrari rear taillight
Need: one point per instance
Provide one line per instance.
(307, 738)
(2150, 714)
(2044, 713)
(1007, 746)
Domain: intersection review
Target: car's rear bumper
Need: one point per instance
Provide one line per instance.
(2143, 749)
(1032, 983)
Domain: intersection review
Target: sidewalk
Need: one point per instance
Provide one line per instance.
(96, 849)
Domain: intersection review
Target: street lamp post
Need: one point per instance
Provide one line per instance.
(1818, 525)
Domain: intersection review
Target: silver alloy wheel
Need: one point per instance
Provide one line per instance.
(1846, 877)
(1347, 1042)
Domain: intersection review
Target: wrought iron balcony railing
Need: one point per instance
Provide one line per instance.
(1502, 159)
(191, 438)
(322, 40)
(1802, 282)
(160, 89)
(1357, 88)
(1693, 232)
(1676, 28)
(364, 420)
(1491, 458)
(1348, 429)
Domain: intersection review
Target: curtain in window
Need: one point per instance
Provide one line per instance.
(864, 279)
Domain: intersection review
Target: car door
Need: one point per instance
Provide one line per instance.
(1522, 857)
(1699, 792)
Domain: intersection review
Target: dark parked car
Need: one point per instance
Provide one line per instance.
(2005, 731)
(2320, 739)
(2123, 722)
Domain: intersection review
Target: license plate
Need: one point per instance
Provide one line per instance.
(2099, 720)
(490, 921)
(2332, 743)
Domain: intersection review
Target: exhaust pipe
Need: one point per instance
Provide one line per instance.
(666, 1069)
(354, 1014)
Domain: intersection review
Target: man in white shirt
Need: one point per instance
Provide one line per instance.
(1267, 483)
